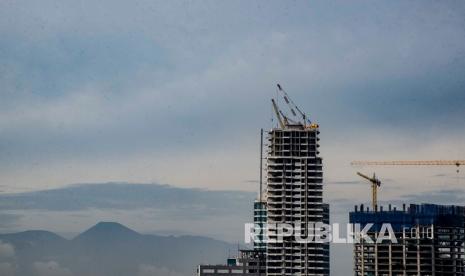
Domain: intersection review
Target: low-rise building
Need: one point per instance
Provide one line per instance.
(248, 262)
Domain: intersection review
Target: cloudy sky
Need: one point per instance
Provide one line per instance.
(175, 92)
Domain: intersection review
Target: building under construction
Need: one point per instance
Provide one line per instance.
(430, 241)
(294, 194)
(247, 262)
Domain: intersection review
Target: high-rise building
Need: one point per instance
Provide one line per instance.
(429, 241)
(260, 225)
(294, 196)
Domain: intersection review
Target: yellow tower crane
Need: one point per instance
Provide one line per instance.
(456, 163)
(375, 183)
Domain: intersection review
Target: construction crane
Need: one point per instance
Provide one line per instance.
(456, 163)
(375, 183)
(284, 120)
(278, 113)
(292, 106)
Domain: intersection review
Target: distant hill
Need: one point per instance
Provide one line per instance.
(112, 249)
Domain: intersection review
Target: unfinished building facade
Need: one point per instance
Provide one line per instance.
(295, 197)
(430, 241)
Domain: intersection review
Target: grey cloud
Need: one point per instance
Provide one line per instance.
(448, 175)
(150, 270)
(171, 201)
(7, 269)
(439, 175)
(50, 268)
(8, 220)
(343, 182)
(251, 181)
(355, 182)
(6, 250)
(449, 196)
(410, 76)
(148, 207)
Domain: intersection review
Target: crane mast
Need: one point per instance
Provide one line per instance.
(375, 183)
(277, 113)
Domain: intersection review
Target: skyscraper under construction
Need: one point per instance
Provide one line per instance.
(295, 194)
(430, 240)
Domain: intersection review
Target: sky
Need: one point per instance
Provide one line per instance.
(175, 93)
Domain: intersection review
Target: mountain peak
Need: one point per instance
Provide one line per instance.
(110, 225)
(110, 231)
(33, 236)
